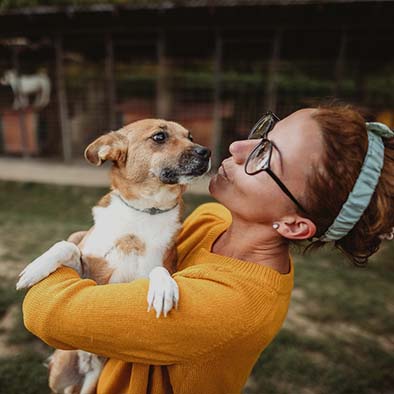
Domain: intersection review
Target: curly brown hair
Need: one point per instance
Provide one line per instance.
(346, 143)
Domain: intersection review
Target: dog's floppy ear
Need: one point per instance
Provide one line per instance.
(111, 146)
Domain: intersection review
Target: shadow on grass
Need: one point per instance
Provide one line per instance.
(295, 363)
(24, 373)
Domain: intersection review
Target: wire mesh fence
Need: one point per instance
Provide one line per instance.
(215, 84)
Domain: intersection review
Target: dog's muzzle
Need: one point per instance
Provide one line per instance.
(193, 163)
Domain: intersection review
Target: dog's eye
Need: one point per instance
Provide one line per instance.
(160, 137)
(190, 137)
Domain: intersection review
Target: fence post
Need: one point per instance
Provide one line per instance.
(62, 100)
(273, 66)
(217, 103)
(340, 63)
(21, 111)
(163, 88)
(110, 80)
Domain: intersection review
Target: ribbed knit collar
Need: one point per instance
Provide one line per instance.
(280, 282)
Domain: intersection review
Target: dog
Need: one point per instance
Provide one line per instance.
(25, 85)
(134, 232)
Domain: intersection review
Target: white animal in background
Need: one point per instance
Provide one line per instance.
(25, 85)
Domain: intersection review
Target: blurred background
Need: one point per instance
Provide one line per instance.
(71, 70)
(213, 65)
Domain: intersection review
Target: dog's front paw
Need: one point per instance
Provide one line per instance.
(60, 253)
(163, 292)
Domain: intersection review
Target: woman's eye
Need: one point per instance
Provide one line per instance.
(160, 137)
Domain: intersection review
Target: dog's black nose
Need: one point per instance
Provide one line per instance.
(205, 153)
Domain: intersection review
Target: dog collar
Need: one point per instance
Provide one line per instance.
(150, 211)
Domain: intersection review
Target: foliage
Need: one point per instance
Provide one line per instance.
(296, 81)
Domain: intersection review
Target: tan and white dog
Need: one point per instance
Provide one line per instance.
(134, 232)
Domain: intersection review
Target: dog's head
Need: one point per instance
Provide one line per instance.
(151, 150)
(9, 76)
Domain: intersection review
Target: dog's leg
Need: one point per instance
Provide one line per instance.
(62, 253)
(90, 381)
(38, 99)
(64, 376)
(90, 366)
(45, 92)
(23, 100)
(77, 237)
(163, 292)
(20, 100)
(16, 105)
(71, 390)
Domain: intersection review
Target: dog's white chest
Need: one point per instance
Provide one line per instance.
(132, 242)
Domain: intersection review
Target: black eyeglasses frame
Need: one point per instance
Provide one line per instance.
(274, 118)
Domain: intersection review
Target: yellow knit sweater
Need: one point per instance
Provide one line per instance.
(229, 311)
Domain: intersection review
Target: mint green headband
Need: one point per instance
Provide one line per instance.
(360, 197)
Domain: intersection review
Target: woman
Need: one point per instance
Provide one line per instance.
(290, 181)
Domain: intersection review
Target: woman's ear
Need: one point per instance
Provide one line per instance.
(111, 146)
(295, 227)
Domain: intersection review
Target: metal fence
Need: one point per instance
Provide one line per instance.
(216, 84)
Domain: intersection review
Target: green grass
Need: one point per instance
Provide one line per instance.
(8, 296)
(296, 363)
(341, 340)
(338, 338)
(23, 374)
(34, 216)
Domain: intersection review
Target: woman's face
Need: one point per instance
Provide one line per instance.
(258, 198)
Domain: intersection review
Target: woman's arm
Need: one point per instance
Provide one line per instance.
(112, 320)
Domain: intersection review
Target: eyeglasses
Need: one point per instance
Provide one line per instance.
(260, 158)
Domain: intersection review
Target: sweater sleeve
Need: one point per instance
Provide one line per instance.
(112, 320)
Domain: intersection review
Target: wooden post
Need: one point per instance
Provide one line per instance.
(272, 83)
(217, 104)
(62, 100)
(110, 81)
(163, 86)
(340, 63)
(21, 111)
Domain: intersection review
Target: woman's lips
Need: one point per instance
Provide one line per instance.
(222, 172)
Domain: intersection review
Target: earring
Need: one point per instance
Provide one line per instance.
(275, 226)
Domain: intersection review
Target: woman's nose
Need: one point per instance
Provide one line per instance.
(240, 150)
